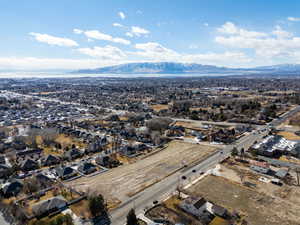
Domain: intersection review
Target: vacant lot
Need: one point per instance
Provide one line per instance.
(127, 180)
(258, 208)
(159, 107)
(289, 135)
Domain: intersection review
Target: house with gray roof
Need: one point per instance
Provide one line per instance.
(50, 160)
(87, 168)
(65, 172)
(48, 206)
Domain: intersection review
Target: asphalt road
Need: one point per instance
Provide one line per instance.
(166, 187)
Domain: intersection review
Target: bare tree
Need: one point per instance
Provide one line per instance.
(158, 124)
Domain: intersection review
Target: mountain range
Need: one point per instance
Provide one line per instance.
(189, 68)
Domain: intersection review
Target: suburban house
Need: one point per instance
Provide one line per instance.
(196, 206)
(107, 161)
(4, 170)
(260, 169)
(29, 164)
(12, 188)
(65, 172)
(72, 154)
(44, 180)
(48, 206)
(50, 160)
(87, 168)
(202, 209)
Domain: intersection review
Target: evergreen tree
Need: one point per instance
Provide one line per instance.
(97, 206)
(131, 218)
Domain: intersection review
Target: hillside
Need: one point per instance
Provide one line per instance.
(188, 68)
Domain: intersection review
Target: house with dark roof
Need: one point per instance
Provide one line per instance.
(50, 160)
(260, 169)
(107, 161)
(29, 164)
(87, 168)
(65, 172)
(49, 206)
(72, 154)
(44, 180)
(12, 188)
(4, 170)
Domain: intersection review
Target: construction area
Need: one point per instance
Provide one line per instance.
(125, 181)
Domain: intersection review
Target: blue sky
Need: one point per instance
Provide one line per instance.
(37, 35)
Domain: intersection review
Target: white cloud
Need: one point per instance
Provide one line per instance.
(205, 24)
(122, 15)
(294, 19)
(95, 34)
(77, 31)
(155, 50)
(138, 31)
(283, 45)
(129, 34)
(121, 41)
(106, 52)
(231, 29)
(52, 40)
(227, 58)
(117, 25)
(280, 33)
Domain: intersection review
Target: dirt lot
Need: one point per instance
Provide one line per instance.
(291, 123)
(289, 135)
(124, 181)
(159, 107)
(257, 207)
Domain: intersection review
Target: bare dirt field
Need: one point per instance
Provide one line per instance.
(258, 208)
(127, 180)
(159, 107)
(292, 122)
(289, 135)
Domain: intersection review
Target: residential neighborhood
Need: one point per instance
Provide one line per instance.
(62, 151)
